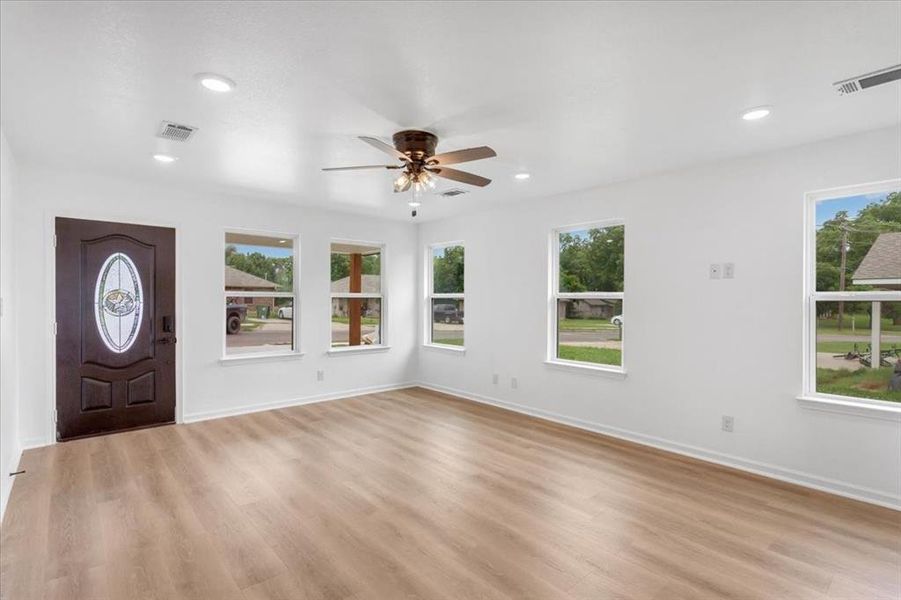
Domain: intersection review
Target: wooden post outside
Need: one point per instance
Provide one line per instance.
(875, 334)
(355, 305)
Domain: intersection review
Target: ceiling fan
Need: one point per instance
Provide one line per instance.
(420, 165)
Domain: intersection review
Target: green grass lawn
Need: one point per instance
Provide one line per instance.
(861, 325)
(251, 324)
(363, 320)
(585, 324)
(600, 356)
(862, 383)
(449, 341)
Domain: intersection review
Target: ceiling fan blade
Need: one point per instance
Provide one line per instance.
(461, 176)
(362, 167)
(386, 148)
(460, 156)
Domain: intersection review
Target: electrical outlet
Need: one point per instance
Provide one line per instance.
(320, 375)
(716, 270)
(514, 383)
(728, 270)
(728, 423)
(495, 378)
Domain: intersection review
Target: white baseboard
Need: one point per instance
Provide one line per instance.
(8, 480)
(808, 480)
(243, 410)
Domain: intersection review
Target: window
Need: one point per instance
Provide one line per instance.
(854, 294)
(260, 293)
(586, 308)
(446, 302)
(356, 293)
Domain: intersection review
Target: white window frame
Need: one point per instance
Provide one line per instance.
(294, 294)
(431, 295)
(382, 297)
(554, 295)
(809, 396)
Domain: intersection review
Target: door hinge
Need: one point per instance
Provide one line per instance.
(55, 327)
(55, 240)
(54, 416)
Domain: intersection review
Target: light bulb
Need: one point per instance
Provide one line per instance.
(401, 182)
(429, 180)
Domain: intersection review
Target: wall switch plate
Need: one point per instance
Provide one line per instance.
(514, 383)
(495, 378)
(728, 270)
(716, 271)
(320, 375)
(728, 423)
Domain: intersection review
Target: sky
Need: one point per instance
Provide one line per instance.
(265, 250)
(828, 208)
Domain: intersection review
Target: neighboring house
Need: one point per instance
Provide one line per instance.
(236, 280)
(370, 285)
(587, 309)
(881, 267)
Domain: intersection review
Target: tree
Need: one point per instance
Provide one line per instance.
(447, 273)
(592, 261)
(279, 271)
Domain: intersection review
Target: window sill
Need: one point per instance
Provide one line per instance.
(357, 349)
(241, 359)
(847, 406)
(617, 373)
(445, 348)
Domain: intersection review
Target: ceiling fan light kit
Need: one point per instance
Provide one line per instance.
(415, 150)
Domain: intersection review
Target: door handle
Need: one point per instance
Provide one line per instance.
(166, 340)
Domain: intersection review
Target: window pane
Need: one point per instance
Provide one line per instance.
(858, 242)
(356, 269)
(261, 325)
(356, 321)
(447, 321)
(845, 363)
(591, 260)
(258, 263)
(447, 270)
(590, 330)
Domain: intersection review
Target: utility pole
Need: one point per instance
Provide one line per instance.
(841, 273)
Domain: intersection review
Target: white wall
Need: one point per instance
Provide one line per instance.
(9, 433)
(210, 388)
(696, 349)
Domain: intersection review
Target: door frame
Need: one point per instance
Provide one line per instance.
(50, 287)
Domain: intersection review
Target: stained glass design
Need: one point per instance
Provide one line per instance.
(118, 302)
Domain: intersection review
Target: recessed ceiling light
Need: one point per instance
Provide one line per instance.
(522, 176)
(215, 83)
(758, 112)
(164, 158)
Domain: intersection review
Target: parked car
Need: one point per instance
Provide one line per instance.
(234, 316)
(286, 312)
(617, 320)
(447, 313)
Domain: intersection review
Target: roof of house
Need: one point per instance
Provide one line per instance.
(239, 280)
(371, 285)
(883, 260)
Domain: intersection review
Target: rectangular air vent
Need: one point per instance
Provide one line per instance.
(857, 84)
(452, 192)
(175, 131)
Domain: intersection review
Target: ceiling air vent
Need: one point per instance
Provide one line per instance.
(175, 131)
(452, 192)
(857, 84)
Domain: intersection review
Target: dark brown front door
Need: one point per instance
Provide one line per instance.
(115, 313)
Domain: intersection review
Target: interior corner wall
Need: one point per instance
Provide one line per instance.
(695, 348)
(208, 387)
(10, 447)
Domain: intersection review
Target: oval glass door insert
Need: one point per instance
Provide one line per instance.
(118, 302)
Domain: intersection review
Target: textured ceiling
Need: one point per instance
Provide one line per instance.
(577, 94)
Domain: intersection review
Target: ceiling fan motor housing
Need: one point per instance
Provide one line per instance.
(418, 145)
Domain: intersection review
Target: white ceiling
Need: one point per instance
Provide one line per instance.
(578, 94)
